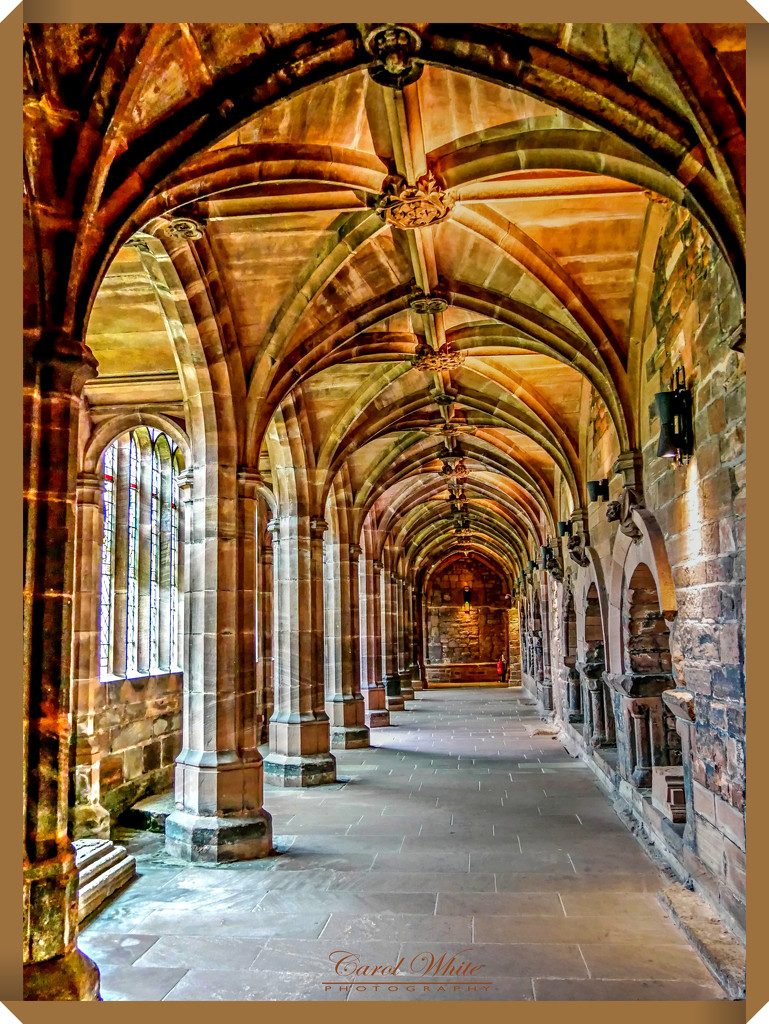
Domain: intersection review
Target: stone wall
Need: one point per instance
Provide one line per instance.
(701, 510)
(458, 636)
(630, 647)
(139, 731)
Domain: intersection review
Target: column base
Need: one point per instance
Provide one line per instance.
(394, 698)
(286, 770)
(375, 701)
(349, 737)
(72, 976)
(90, 821)
(207, 839)
(377, 719)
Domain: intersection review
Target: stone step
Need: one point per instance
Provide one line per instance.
(103, 869)
(149, 814)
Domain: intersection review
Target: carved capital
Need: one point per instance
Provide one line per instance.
(629, 465)
(273, 526)
(354, 552)
(89, 489)
(248, 482)
(185, 484)
(318, 527)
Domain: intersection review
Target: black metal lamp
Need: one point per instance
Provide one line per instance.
(598, 489)
(545, 553)
(565, 529)
(467, 595)
(674, 409)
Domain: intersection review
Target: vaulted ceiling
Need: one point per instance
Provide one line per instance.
(549, 171)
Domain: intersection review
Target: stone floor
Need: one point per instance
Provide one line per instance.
(462, 833)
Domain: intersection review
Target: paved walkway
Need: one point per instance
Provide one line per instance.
(461, 833)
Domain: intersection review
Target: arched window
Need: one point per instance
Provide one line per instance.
(139, 607)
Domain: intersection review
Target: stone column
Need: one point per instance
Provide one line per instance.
(54, 968)
(642, 770)
(596, 734)
(404, 671)
(373, 690)
(88, 819)
(573, 695)
(680, 703)
(415, 667)
(266, 626)
(344, 701)
(299, 732)
(546, 679)
(392, 680)
(218, 786)
(247, 712)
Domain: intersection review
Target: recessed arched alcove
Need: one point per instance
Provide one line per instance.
(465, 622)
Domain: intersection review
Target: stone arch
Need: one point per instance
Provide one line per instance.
(112, 428)
(647, 547)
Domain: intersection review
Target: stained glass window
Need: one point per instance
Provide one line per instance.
(155, 558)
(174, 573)
(107, 554)
(132, 603)
(140, 469)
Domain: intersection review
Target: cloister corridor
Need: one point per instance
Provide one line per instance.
(466, 826)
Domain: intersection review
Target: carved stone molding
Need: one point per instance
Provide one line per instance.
(186, 228)
(413, 206)
(576, 547)
(395, 48)
(622, 511)
(354, 552)
(435, 302)
(444, 358)
(139, 243)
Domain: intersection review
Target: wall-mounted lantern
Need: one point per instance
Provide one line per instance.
(467, 595)
(565, 529)
(545, 554)
(532, 565)
(674, 409)
(598, 489)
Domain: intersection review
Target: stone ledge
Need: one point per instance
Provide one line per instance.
(721, 951)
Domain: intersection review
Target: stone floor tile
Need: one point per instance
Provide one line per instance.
(255, 924)
(115, 950)
(535, 904)
(202, 951)
(511, 960)
(138, 983)
(243, 986)
(498, 928)
(628, 905)
(340, 902)
(350, 928)
(551, 989)
(640, 961)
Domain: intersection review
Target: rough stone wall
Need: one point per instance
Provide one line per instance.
(701, 510)
(514, 642)
(140, 733)
(456, 636)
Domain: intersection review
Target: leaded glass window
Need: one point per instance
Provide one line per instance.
(107, 556)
